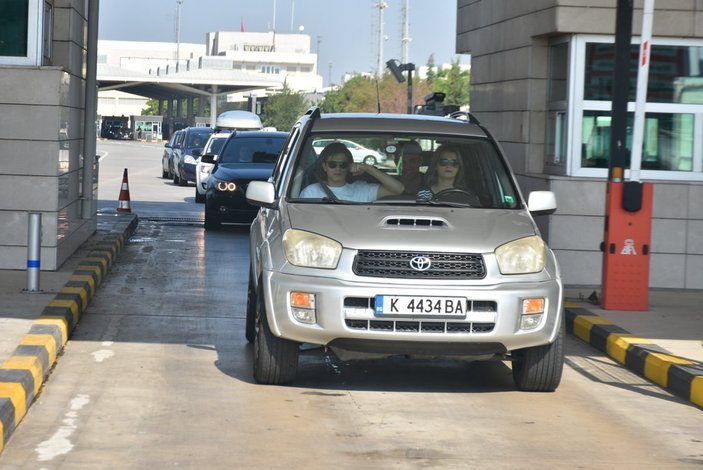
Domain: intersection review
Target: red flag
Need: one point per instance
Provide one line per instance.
(242, 27)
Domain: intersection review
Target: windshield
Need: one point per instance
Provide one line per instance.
(214, 145)
(408, 169)
(252, 150)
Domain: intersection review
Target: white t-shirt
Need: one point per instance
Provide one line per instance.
(358, 191)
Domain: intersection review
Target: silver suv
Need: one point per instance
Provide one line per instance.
(412, 269)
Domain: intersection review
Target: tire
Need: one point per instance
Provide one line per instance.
(199, 198)
(164, 174)
(249, 327)
(369, 160)
(275, 359)
(212, 223)
(539, 369)
(182, 181)
(176, 179)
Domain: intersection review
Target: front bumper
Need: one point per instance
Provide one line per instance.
(346, 319)
(229, 207)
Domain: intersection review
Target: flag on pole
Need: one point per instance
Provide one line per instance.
(242, 24)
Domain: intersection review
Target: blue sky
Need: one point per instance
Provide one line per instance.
(347, 29)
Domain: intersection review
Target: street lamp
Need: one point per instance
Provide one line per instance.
(397, 69)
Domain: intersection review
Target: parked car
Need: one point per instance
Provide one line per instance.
(202, 170)
(462, 274)
(245, 157)
(167, 171)
(185, 154)
(118, 133)
(359, 152)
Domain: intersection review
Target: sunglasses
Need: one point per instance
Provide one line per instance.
(332, 164)
(449, 162)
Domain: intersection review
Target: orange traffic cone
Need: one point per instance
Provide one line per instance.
(124, 195)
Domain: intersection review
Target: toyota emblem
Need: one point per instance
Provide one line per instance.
(420, 263)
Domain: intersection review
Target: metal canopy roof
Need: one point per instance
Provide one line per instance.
(190, 83)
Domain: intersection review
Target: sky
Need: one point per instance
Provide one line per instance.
(345, 30)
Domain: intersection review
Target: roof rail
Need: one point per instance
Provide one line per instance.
(314, 112)
(465, 115)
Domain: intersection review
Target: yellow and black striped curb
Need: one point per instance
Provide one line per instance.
(680, 376)
(22, 375)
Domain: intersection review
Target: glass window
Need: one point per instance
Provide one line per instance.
(14, 28)
(668, 140)
(558, 71)
(675, 73)
(479, 175)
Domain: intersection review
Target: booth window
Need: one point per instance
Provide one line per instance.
(14, 22)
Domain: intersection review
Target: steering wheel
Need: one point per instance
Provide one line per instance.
(457, 195)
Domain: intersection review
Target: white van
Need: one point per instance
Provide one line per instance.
(226, 123)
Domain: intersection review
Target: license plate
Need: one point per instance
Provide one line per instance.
(421, 305)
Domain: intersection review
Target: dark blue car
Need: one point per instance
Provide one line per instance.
(185, 155)
(246, 156)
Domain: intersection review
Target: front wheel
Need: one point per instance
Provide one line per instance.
(539, 369)
(275, 359)
(370, 160)
(199, 198)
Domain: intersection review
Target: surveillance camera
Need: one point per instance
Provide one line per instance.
(395, 70)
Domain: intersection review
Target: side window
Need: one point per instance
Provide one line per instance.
(283, 161)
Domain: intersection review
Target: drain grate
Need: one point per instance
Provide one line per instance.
(182, 220)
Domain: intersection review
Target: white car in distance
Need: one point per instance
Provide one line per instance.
(202, 170)
(360, 154)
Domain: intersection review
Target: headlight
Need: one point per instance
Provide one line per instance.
(311, 250)
(521, 256)
(225, 186)
(189, 159)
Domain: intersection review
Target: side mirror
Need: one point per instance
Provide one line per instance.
(207, 158)
(262, 194)
(541, 203)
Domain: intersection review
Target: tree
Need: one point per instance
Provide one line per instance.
(283, 109)
(454, 83)
(152, 108)
(368, 95)
(431, 73)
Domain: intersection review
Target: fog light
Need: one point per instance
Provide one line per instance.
(303, 307)
(532, 312)
(528, 322)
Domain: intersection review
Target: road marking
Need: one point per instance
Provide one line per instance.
(59, 443)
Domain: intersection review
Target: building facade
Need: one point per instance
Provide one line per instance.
(47, 152)
(541, 79)
(274, 56)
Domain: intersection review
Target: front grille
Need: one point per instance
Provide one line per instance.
(405, 326)
(397, 264)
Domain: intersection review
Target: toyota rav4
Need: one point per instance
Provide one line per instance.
(459, 273)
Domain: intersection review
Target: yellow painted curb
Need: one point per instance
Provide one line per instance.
(70, 304)
(59, 322)
(30, 363)
(48, 341)
(15, 392)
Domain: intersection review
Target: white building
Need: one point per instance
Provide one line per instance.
(273, 57)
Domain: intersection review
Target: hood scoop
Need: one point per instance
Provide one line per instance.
(415, 222)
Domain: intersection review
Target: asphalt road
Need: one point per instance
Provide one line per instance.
(158, 375)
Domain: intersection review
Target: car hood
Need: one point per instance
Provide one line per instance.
(413, 227)
(243, 171)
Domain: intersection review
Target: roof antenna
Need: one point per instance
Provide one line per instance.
(378, 97)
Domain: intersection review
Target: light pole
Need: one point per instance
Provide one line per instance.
(397, 70)
(178, 32)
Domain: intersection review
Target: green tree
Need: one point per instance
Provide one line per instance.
(152, 108)
(283, 109)
(454, 83)
(431, 73)
(366, 94)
